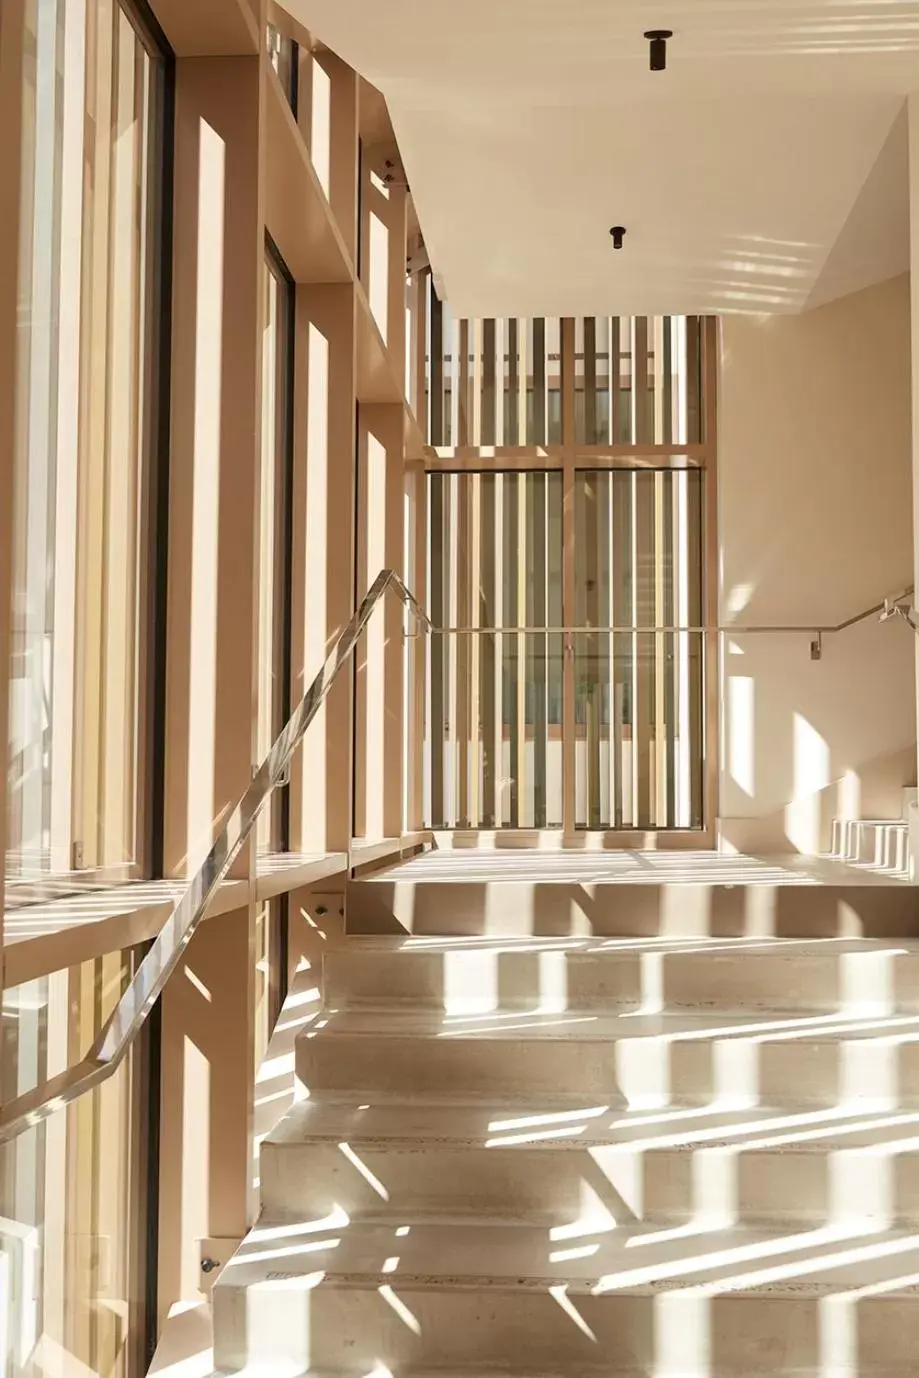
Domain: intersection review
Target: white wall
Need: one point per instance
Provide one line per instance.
(815, 524)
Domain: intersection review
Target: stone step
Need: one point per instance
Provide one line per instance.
(477, 975)
(698, 1302)
(552, 1164)
(880, 843)
(556, 896)
(639, 1060)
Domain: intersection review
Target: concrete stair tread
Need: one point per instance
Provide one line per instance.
(566, 866)
(379, 1022)
(429, 1125)
(586, 1259)
(711, 946)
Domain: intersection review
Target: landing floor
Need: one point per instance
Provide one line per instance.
(473, 865)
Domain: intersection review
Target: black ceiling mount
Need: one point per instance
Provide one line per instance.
(618, 235)
(658, 40)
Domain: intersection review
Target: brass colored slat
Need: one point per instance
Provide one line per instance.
(643, 717)
(620, 424)
(440, 648)
(464, 434)
(486, 613)
(488, 427)
(590, 434)
(512, 434)
(642, 413)
(474, 751)
(539, 434)
(568, 589)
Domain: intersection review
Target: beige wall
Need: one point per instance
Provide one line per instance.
(815, 523)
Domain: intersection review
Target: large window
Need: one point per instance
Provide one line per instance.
(74, 1216)
(91, 290)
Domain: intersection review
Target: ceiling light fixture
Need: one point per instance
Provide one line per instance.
(618, 235)
(658, 40)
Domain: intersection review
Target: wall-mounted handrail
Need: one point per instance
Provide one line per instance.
(892, 606)
(148, 982)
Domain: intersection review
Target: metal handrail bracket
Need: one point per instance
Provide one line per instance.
(165, 953)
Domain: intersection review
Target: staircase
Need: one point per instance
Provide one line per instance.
(679, 1157)
(881, 844)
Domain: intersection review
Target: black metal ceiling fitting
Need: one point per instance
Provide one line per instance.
(618, 235)
(658, 40)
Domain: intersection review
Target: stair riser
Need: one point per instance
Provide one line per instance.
(884, 845)
(640, 1072)
(874, 983)
(559, 1187)
(625, 910)
(355, 1330)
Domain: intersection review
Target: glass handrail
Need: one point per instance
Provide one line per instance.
(128, 1018)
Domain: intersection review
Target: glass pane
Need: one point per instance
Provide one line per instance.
(85, 426)
(493, 749)
(638, 730)
(638, 679)
(492, 381)
(73, 1213)
(274, 538)
(638, 380)
(283, 54)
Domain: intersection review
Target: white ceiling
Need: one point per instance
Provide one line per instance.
(765, 170)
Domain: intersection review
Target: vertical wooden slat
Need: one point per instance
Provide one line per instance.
(642, 415)
(606, 738)
(703, 654)
(500, 379)
(621, 579)
(619, 430)
(537, 647)
(522, 558)
(667, 433)
(569, 707)
(699, 413)
(488, 405)
(539, 434)
(590, 436)
(463, 650)
(657, 379)
(523, 436)
(463, 430)
(708, 791)
(554, 650)
(645, 549)
(587, 557)
(485, 614)
(439, 648)
(456, 396)
(475, 381)
(669, 670)
(498, 604)
(659, 790)
(473, 483)
(512, 645)
(512, 405)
